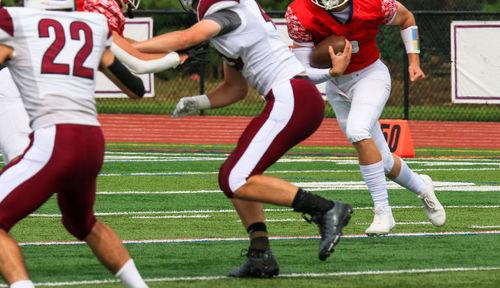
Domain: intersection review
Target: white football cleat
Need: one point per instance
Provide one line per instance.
(434, 210)
(382, 224)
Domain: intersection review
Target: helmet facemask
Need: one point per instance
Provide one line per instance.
(129, 6)
(329, 4)
(188, 5)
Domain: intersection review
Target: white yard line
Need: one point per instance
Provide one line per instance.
(266, 210)
(293, 275)
(158, 192)
(401, 223)
(171, 217)
(198, 240)
(285, 172)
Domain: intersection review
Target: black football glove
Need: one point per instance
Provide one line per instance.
(197, 54)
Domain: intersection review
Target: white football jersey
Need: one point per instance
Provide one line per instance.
(255, 47)
(56, 56)
(8, 87)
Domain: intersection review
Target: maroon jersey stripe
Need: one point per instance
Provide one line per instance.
(205, 4)
(6, 22)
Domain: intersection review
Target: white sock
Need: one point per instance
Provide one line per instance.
(22, 284)
(130, 276)
(374, 177)
(410, 180)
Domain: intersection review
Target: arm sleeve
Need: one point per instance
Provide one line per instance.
(227, 19)
(139, 66)
(316, 75)
(128, 79)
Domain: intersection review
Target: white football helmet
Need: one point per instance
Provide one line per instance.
(129, 5)
(50, 4)
(187, 5)
(329, 4)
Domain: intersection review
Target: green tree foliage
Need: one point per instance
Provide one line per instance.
(486, 5)
(160, 5)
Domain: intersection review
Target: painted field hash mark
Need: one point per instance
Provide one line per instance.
(294, 275)
(198, 240)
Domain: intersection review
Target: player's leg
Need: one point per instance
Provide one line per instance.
(76, 199)
(24, 186)
(397, 170)
(12, 265)
(108, 248)
(369, 90)
(285, 122)
(260, 260)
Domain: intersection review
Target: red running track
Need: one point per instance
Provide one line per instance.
(226, 130)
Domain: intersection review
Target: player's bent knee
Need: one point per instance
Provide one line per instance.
(79, 228)
(230, 180)
(388, 162)
(224, 180)
(357, 134)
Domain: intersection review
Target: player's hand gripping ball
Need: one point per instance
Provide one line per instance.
(320, 58)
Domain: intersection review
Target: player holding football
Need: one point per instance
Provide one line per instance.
(359, 95)
(53, 57)
(254, 54)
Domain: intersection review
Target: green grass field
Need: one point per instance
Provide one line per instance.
(163, 200)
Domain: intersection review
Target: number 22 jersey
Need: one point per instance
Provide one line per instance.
(56, 56)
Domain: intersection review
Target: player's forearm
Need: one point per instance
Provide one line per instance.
(126, 45)
(131, 85)
(165, 43)
(224, 95)
(413, 59)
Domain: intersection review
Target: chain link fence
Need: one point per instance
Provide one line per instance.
(429, 99)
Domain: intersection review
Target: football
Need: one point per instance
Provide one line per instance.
(320, 58)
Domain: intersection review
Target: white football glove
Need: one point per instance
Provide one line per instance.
(189, 105)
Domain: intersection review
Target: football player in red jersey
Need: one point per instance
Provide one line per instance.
(359, 95)
(66, 150)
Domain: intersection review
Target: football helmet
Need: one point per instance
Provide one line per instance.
(329, 4)
(129, 5)
(187, 5)
(50, 4)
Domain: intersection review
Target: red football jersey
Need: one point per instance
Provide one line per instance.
(308, 22)
(109, 8)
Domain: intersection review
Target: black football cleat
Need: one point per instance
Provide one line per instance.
(330, 226)
(259, 264)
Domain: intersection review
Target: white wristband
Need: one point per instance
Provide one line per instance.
(411, 39)
(139, 66)
(202, 102)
